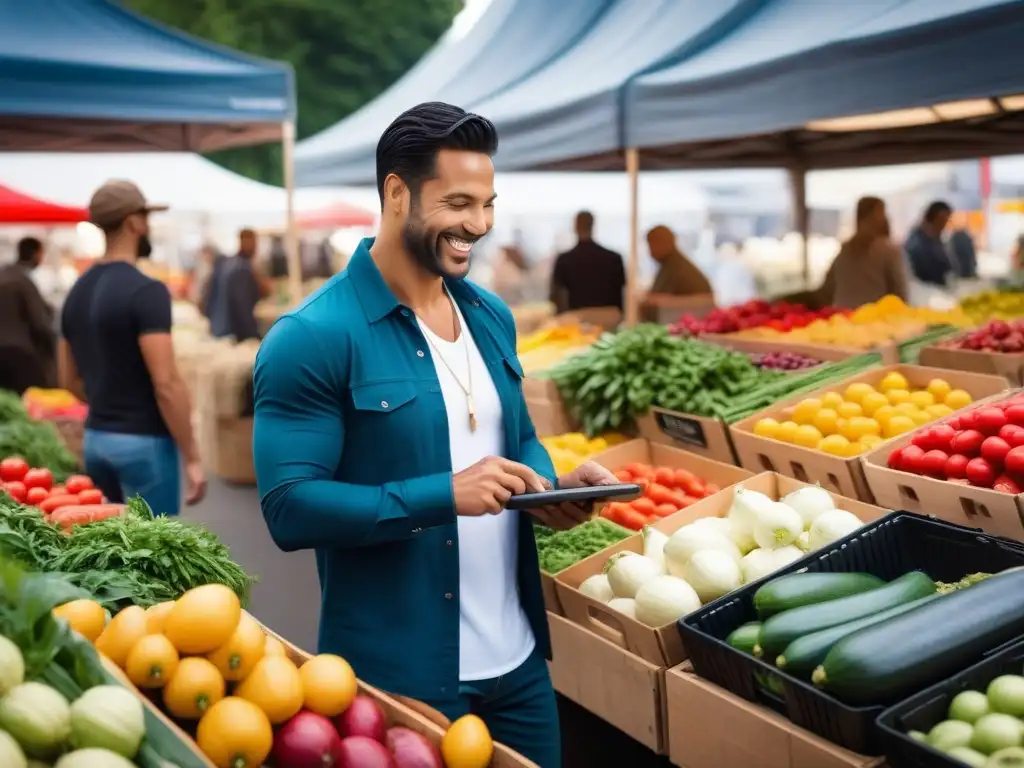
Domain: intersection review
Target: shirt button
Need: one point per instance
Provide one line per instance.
(405, 312)
(419, 353)
(443, 690)
(449, 542)
(476, 302)
(447, 595)
(383, 403)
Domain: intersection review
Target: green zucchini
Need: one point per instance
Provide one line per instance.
(798, 589)
(782, 629)
(805, 653)
(888, 661)
(744, 637)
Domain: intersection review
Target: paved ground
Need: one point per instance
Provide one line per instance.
(287, 600)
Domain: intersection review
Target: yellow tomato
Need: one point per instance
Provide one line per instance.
(938, 411)
(123, 632)
(766, 428)
(467, 744)
(922, 398)
(848, 410)
(922, 417)
(897, 396)
(807, 436)
(857, 427)
(86, 617)
(939, 388)
(871, 441)
(806, 410)
(872, 402)
(151, 662)
(893, 380)
(156, 615)
(883, 414)
(831, 400)
(274, 685)
(328, 684)
(857, 391)
(836, 445)
(203, 619)
(907, 408)
(787, 431)
(235, 734)
(898, 425)
(237, 657)
(826, 421)
(193, 688)
(958, 398)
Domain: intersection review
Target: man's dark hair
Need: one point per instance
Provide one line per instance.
(408, 147)
(936, 209)
(866, 206)
(584, 222)
(28, 249)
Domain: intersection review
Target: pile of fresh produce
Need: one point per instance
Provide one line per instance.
(557, 550)
(998, 305)
(863, 415)
(621, 376)
(547, 347)
(995, 336)
(713, 556)
(983, 447)
(570, 450)
(666, 490)
(53, 404)
(209, 665)
(756, 313)
(135, 558)
(983, 729)
(75, 502)
(38, 443)
(893, 309)
(784, 361)
(57, 701)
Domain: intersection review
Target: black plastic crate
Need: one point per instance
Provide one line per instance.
(924, 710)
(888, 548)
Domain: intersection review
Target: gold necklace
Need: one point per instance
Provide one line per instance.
(466, 389)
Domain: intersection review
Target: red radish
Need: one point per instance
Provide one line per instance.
(1005, 484)
(956, 466)
(980, 473)
(933, 463)
(412, 750)
(308, 740)
(994, 450)
(968, 442)
(363, 717)
(364, 752)
(990, 420)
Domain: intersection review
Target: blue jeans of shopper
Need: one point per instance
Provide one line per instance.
(123, 466)
(519, 709)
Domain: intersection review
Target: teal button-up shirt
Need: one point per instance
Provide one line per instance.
(352, 456)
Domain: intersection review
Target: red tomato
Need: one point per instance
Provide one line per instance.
(13, 468)
(90, 496)
(990, 420)
(968, 442)
(664, 510)
(954, 422)
(683, 477)
(894, 458)
(1015, 414)
(1014, 462)
(956, 467)
(630, 518)
(910, 459)
(36, 496)
(994, 450)
(693, 488)
(38, 478)
(78, 483)
(933, 463)
(1012, 434)
(941, 436)
(58, 490)
(16, 490)
(969, 420)
(643, 505)
(922, 439)
(980, 473)
(659, 494)
(665, 476)
(1005, 484)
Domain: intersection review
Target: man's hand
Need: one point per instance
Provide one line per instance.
(563, 516)
(483, 488)
(195, 480)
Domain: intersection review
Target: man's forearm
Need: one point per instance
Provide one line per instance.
(176, 407)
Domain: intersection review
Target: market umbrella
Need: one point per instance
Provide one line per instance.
(336, 216)
(17, 208)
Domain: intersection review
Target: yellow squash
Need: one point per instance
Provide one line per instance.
(237, 657)
(275, 686)
(235, 733)
(203, 619)
(195, 687)
(123, 632)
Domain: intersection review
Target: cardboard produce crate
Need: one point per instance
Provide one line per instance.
(663, 646)
(1009, 366)
(608, 681)
(835, 473)
(704, 435)
(708, 727)
(1001, 514)
(827, 353)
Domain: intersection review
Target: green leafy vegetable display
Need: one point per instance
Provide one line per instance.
(40, 444)
(558, 550)
(11, 407)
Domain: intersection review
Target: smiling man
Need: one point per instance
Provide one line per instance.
(390, 430)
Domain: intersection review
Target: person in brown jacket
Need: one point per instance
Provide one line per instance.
(27, 327)
(869, 265)
(677, 275)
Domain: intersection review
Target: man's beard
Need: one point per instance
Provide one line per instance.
(425, 246)
(144, 248)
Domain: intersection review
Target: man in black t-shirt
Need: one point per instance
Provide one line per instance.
(589, 275)
(116, 354)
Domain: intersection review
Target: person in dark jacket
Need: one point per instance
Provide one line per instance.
(235, 291)
(27, 327)
(589, 275)
(961, 245)
(930, 260)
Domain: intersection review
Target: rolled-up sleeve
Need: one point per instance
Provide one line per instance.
(298, 440)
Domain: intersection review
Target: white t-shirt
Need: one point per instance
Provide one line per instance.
(494, 634)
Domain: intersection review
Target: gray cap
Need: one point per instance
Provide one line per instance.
(115, 201)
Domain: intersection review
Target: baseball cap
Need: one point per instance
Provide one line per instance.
(115, 201)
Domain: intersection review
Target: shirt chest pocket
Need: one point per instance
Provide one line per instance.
(386, 417)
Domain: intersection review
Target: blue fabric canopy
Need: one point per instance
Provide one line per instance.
(91, 75)
(512, 40)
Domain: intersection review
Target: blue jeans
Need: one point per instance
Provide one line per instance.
(123, 466)
(519, 709)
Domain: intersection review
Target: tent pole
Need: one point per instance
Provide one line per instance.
(291, 232)
(802, 219)
(632, 299)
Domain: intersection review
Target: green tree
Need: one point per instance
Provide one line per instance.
(345, 52)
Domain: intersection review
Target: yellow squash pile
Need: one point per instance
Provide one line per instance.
(993, 305)
(547, 347)
(570, 450)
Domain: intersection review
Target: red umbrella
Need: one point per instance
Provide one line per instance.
(16, 208)
(336, 216)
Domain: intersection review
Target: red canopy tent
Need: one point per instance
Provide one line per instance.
(16, 208)
(336, 216)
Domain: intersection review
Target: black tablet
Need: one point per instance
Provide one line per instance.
(619, 492)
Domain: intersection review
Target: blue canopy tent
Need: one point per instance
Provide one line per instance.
(511, 40)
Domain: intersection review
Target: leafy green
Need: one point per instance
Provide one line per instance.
(557, 550)
(11, 407)
(40, 444)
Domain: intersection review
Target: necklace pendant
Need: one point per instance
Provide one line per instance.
(472, 413)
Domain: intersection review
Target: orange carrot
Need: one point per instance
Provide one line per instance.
(52, 503)
(79, 514)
